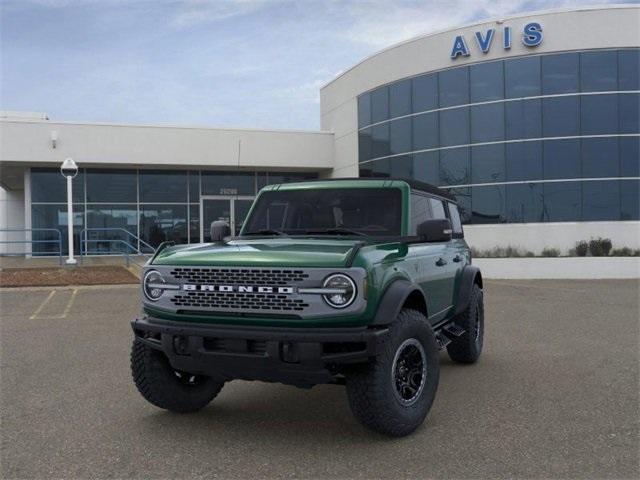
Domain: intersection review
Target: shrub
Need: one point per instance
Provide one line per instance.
(582, 248)
(550, 252)
(625, 252)
(600, 247)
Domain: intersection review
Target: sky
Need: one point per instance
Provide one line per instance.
(219, 63)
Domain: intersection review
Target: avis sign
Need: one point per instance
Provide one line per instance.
(531, 37)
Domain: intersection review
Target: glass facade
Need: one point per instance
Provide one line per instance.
(153, 205)
(544, 138)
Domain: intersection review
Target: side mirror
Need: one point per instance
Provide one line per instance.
(436, 230)
(219, 230)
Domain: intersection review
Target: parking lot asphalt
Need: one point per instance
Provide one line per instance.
(555, 395)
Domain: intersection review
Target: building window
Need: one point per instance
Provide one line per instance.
(560, 73)
(380, 105)
(424, 91)
(453, 86)
(599, 71)
(487, 81)
(522, 77)
(163, 186)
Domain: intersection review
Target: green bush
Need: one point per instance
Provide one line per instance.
(600, 247)
(625, 252)
(550, 252)
(581, 249)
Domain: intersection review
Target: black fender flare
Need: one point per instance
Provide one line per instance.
(470, 275)
(394, 299)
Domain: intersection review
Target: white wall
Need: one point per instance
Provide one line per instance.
(563, 236)
(11, 217)
(27, 141)
(574, 268)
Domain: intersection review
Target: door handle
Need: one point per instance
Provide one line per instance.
(441, 262)
(457, 258)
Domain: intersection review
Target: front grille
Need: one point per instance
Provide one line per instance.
(235, 276)
(238, 301)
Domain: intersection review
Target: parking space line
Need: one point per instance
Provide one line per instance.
(39, 309)
(69, 303)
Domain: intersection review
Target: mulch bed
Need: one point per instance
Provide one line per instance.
(55, 276)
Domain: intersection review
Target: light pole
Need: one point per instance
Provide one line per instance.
(69, 170)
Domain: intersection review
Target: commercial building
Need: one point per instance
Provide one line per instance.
(532, 121)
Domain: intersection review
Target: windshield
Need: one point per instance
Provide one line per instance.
(334, 211)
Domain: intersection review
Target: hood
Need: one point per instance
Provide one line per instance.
(276, 252)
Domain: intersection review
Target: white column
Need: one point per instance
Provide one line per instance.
(70, 260)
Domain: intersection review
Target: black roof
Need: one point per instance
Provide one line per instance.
(414, 184)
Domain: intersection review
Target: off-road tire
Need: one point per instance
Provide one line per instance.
(371, 389)
(159, 384)
(468, 347)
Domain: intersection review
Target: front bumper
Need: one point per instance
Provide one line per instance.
(297, 356)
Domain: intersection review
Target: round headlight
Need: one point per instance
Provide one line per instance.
(150, 285)
(343, 290)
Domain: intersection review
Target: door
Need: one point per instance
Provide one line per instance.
(232, 210)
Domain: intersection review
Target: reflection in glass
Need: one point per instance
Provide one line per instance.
(560, 73)
(629, 156)
(599, 71)
(600, 157)
(400, 135)
(454, 87)
(167, 223)
(488, 204)
(601, 200)
(629, 112)
(402, 166)
(380, 105)
(48, 185)
(400, 98)
(365, 146)
(425, 131)
(194, 186)
(562, 201)
(487, 81)
(487, 123)
(523, 119)
(463, 198)
(561, 159)
(629, 199)
(194, 223)
(629, 69)
(523, 161)
(163, 186)
(380, 140)
(560, 116)
(107, 185)
(454, 127)
(455, 168)
(364, 110)
(426, 167)
(522, 77)
(524, 203)
(487, 164)
(598, 114)
(113, 220)
(425, 92)
(52, 216)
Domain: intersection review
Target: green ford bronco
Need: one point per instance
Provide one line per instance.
(357, 282)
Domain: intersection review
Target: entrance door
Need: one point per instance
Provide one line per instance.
(232, 210)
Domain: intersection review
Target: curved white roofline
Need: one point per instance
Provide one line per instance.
(481, 22)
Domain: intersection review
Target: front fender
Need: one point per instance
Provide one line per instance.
(394, 299)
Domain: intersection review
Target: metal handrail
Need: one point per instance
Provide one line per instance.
(118, 229)
(31, 241)
(84, 241)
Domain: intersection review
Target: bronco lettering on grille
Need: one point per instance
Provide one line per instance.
(238, 289)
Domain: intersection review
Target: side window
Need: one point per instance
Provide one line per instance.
(420, 211)
(437, 208)
(456, 223)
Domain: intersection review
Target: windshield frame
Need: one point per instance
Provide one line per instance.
(403, 189)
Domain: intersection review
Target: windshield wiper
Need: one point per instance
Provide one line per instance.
(337, 231)
(266, 231)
